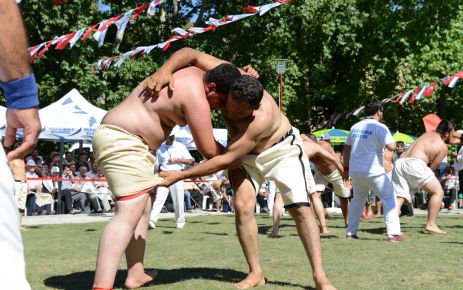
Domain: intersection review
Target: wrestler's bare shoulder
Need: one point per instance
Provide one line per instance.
(426, 147)
(270, 123)
(153, 118)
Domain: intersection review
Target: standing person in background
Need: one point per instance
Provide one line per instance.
(172, 155)
(18, 167)
(458, 165)
(17, 82)
(367, 159)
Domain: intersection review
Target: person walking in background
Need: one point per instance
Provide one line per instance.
(17, 82)
(172, 155)
(367, 157)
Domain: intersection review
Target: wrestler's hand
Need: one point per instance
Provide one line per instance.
(157, 81)
(250, 71)
(27, 119)
(170, 177)
(348, 183)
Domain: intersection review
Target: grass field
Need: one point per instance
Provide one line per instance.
(206, 255)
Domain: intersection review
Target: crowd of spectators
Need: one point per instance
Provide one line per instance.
(83, 188)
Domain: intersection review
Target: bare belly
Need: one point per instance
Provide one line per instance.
(138, 121)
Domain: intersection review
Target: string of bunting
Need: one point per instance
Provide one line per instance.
(180, 33)
(121, 21)
(415, 95)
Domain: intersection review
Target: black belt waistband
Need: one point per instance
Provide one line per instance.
(286, 135)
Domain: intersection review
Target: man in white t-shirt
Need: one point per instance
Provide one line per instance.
(368, 153)
(172, 155)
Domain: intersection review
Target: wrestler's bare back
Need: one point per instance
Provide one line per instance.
(267, 123)
(313, 151)
(153, 118)
(427, 148)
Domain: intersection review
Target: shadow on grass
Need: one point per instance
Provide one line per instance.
(84, 280)
(458, 243)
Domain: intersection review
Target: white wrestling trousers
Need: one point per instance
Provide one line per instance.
(12, 266)
(272, 188)
(382, 187)
(177, 194)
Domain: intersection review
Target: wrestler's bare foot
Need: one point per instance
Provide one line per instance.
(252, 280)
(324, 284)
(137, 282)
(435, 230)
(323, 229)
(274, 234)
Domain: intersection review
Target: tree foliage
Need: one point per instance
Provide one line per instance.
(340, 52)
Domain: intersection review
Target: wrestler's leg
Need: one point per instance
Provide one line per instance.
(310, 237)
(277, 213)
(319, 210)
(400, 202)
(246, 228)
(135, 252)
(110, 249)
(434, 189)
(344, 208)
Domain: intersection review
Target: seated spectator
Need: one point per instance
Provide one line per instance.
(68, 158)
(213, 185)
(196, 194)
(55, 159)
(103, 188)
(83, 161)
(73, 169)
(70, 193)
(262, 197)
(93, 173)
(38, 202)
(99, 202)
(34, 155)
(51, 186)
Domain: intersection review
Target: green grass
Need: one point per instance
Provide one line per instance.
(206, 255)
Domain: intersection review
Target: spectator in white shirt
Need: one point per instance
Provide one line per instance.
(172, 155)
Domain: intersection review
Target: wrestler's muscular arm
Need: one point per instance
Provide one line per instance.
(314, 149)
(180, 59)
(198, 116)
(388, 156)
(239, 147)
(334, 158)
(438, 158)
(14, 65)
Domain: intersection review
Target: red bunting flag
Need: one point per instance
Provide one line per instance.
(430, 89)
(89, 30)
(63, 42)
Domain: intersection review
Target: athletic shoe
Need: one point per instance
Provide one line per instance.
(396, 238)
(152, 225)
(180, 225)
(352, 237)
(74, 211)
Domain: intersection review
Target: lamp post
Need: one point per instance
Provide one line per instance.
(281, 68)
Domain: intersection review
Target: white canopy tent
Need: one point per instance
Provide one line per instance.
(71, 118)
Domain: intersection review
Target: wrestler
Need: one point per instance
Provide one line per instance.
(123, 144)
(328, 170)
(263, 140)
(415, 170)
